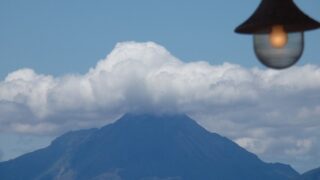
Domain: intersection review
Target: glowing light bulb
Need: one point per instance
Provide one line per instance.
(278, 38)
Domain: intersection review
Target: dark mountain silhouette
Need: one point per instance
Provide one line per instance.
(143, 147)
(311, 175)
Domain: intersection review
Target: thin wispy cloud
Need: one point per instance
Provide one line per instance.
(272, 113)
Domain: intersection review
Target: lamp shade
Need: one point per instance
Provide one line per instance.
(277, 12)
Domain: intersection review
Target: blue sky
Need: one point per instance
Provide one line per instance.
(59, 37)
(59, 41)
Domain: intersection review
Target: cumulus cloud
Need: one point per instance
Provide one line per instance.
(272, 113)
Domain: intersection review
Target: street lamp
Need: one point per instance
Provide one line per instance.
(278, 32)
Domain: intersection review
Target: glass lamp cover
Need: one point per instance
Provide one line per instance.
(279, 58)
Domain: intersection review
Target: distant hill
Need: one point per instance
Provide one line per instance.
(311, 175)
(143, 147)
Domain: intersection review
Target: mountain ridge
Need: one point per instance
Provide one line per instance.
(144, 147)
(313, 174)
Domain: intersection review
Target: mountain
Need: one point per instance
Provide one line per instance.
(143, 147)
(311, 175)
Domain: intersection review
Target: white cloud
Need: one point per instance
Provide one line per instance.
(252, 144)
(272, 113)
(301, 147)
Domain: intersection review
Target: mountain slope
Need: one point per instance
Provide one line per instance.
(144, 147)
(311, 175)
